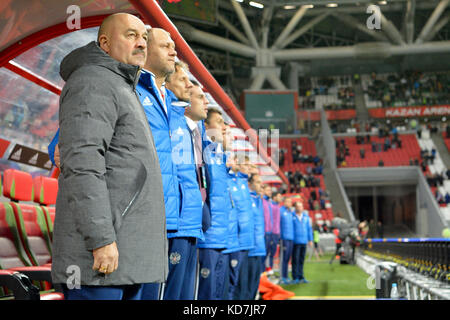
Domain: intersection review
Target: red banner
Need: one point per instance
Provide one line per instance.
(4, 144)
(408, 112)
(345, 114)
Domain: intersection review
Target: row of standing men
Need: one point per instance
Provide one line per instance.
(219, 223)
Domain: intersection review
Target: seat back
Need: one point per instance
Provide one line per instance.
(35, 236)
(12, 252)
(17, 185)
(50, 219)
(45, 190)
(30, 219)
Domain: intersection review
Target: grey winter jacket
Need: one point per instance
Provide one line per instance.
(110, 186)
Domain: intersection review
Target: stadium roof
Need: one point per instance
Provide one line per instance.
(36, 35)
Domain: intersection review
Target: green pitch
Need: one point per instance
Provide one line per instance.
(336, 280)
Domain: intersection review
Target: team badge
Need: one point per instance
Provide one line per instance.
(204, 272)
(234, 263)
(175, 258)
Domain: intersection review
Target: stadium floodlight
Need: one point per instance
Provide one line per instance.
(309, 6)
(289, 7)
(256, 4)
(239, 1)
(332, 5)
(382, 2)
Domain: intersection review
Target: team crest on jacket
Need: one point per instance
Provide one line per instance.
(234, 263)
(204, 272)
(175, 258)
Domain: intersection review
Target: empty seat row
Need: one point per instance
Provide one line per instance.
(26, 228)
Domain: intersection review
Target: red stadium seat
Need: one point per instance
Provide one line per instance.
(24, 238)
(12, 179)
(45, 190)
(33, 229)
(31, 220)
(12, 252)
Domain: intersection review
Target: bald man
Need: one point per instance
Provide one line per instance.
(110, 229)
(152, 93)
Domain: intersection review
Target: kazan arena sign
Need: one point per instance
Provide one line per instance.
(406, 112)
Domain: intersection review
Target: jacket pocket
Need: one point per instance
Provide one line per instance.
(137, 189)
(182, 199)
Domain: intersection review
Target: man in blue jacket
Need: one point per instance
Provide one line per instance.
(287, 213)
(156, 102)
(212, 261)
(240, 194)
(302, 235)
(232, 250)
(258, 253)
(187, 155)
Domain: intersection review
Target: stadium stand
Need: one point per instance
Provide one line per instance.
(392, 154)
(330, 93)
(304, 168)
(407, 89)
(436, 173)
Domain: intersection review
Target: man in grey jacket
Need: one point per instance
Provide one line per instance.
(110, 232)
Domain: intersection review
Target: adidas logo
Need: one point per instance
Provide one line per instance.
(147, 102)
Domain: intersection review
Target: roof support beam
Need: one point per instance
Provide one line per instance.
(290, 26)
(211, 40)
(391, 31)
(409, 20)
(234, 31)
(438, 26)
(367, 50)
(432, 20)
(302, 30)
(245, 24)
(353, 22)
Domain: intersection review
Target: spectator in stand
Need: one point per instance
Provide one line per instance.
(387, 144)
(439, 197)
(374, 147)
(447, 198)
(362, 153)
(282, 152)
(381, 163)
(313, 194)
